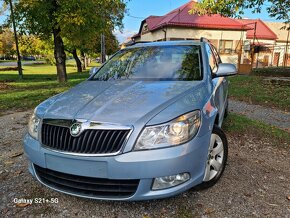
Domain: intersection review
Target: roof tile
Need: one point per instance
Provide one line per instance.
(181, 17)
(262, 30)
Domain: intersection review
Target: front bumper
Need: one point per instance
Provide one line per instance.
(142, 165)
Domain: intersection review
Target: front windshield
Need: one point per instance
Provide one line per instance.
(177, 62)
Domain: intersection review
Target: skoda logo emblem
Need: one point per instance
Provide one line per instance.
(75, 129)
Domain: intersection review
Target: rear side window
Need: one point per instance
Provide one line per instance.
(211, 59)
(217, 57)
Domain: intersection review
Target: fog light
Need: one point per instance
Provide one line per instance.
(170, 181)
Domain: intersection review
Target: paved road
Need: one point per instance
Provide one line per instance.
(24, 63)
(268, 115)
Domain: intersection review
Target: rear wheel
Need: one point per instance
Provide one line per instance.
(217, 158)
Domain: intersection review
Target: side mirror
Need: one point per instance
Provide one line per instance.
(226, 70)
(93, 70)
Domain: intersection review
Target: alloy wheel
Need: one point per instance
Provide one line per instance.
(215, 159)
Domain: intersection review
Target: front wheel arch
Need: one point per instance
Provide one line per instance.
(216, 121)
(209, 183)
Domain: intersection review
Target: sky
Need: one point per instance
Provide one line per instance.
(138, 10)
(141, 9)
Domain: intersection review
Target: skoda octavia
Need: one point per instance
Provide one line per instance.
(145, 125)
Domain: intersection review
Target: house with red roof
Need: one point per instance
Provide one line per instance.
(258, 30)
(262, 40)
(281, 56)
(228, 35)
(224, 33)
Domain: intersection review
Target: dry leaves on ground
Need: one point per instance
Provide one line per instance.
(22, 204)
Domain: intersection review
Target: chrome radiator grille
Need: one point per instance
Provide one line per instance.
(90, 141)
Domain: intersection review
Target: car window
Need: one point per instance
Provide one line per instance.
(175, 62)
(211, 59)
(217, 57)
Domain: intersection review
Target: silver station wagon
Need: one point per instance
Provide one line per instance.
(145, 125)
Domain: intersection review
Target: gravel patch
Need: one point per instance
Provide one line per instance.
(255, 184)
(275, 117)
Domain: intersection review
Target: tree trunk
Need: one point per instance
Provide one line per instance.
(59, 55)
(16, 42)
(84, 60)
(78, 62)
(87, 60)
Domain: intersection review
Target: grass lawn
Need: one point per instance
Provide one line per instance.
(241, 125)
(39, 83)
(252, 90)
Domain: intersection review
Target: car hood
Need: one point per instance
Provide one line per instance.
(118, 102)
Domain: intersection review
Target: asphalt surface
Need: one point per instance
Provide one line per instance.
(24, 63)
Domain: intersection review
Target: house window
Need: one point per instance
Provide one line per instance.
(226, 46)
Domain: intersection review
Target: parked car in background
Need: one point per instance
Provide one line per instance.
(98, 60)
(28, 58)
(146, 125)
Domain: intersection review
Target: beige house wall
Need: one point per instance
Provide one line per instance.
(280, 47)
(173, 33)
(187, 33)
(190, 33)
(275, 47)
(232, 59)
(264, 55)
(265, 41)
(152, 36)
(207, 33)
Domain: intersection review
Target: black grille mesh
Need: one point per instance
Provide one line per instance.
(87, 186)
(90, 141)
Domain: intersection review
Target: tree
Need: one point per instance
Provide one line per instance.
(76, 21)
(31, 45)
(69, 47)
(92, 47)
(7, 43)
(278, 9)
(85, 31)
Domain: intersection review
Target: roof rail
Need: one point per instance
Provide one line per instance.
(128, 44)
(134, 43)
(140, 42)
(203, 39)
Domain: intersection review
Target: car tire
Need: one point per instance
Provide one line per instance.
(216, 160)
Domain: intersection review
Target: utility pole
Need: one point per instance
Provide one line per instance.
(286, 49)
(240, 51)
(103, 48)
(253, 48)
(16, 42)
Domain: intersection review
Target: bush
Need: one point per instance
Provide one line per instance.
(49, 59)
(272, 72)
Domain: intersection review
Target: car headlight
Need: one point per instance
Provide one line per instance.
(176, 132)
(33, 126)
